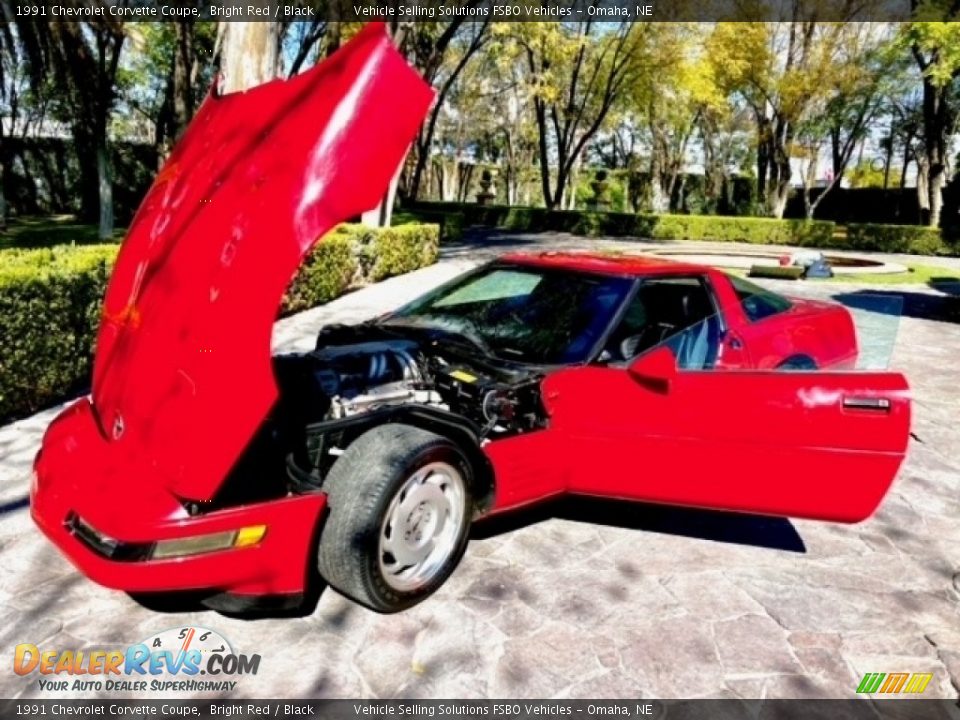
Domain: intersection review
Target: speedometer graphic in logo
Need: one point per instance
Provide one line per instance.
(189, 639)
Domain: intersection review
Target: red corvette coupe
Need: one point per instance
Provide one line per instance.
(201, 463)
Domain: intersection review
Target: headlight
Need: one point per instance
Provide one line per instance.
(199, 544)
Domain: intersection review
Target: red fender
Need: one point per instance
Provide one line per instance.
(182, 375)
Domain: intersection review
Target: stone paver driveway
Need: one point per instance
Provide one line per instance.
(588, 599)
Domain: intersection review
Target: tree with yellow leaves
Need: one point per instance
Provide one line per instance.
(785, 72)
(935, 46)
(577, 72)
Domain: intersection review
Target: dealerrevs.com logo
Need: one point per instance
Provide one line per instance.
(186, 659)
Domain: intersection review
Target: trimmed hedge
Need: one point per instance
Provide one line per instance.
(50, 302)
(912, 239)
(326, 273)
(455, 217)
(383, 253)
(765, 231)
(49, 311)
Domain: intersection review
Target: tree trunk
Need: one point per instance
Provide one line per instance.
(543, 151)
(3, 175)
(938, 180)
(570, 191)
(659, 195)
(714, 172)
(887, 162)
(778, 185)
(938, 119)
(183, 62)
(3, 200)
(923, 188)
(164, 124)
(425, 137)
(85, 146)
(809, 177)
(105, 188)
(447, 178)
(249, 54)
(906, 161)
(779, 194)
(464, 179)
(560, 188)
(763, 154)
(512, 180)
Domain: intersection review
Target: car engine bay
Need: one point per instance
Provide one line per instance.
(365, 375)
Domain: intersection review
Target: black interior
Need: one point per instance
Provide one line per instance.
(677, 312)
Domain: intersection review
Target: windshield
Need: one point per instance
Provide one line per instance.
(534, 315)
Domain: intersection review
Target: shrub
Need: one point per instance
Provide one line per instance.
(449, 222)
(816, 233)
(49, 310)
(386, 252)
(659, 227)
(50, 302)
(325, 274)
(764, 231)
(913, 239)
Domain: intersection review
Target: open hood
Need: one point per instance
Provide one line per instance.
(182, 375)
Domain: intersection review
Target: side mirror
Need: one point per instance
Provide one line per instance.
(656, 369)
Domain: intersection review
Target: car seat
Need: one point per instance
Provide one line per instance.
(694, 346)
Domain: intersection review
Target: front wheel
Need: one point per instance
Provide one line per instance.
(399, 517)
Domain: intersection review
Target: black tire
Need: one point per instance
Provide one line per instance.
(360, 488)
(798, 362)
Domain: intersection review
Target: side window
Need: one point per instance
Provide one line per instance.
(676, 311)
(758, 303)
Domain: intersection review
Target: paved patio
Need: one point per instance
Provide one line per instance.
(589, 599)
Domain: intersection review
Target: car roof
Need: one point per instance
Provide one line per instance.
(606, 263)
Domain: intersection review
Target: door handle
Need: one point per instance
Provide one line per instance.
(872, 404)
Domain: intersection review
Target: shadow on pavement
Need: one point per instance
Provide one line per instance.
(946, 285)
(916, 305)
(492, 242)
(14, 505)
(264, 609)
(727, 527)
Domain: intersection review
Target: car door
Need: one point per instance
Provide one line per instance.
(803, 444)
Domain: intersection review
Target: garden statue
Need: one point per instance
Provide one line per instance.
(599, 185)
(488, 190)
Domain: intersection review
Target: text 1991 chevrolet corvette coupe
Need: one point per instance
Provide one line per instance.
(201, 463)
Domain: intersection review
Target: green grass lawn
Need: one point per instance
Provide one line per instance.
(37, 232)
(916, 275)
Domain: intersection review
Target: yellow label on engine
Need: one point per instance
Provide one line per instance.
(463, 376)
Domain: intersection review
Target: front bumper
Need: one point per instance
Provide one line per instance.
(79, 475)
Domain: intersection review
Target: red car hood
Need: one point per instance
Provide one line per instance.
(182, 375)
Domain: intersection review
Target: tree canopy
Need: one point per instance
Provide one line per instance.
(535, 110)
